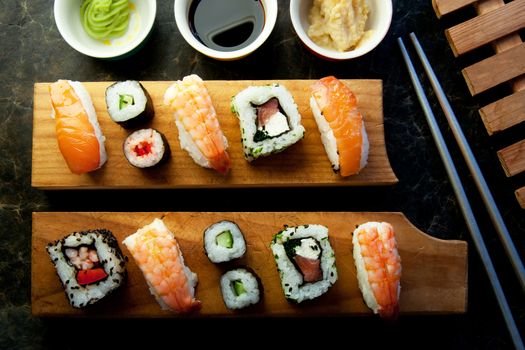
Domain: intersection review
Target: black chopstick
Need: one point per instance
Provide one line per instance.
(473, 166)
(463, 201)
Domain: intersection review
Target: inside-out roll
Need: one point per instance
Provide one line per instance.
(269, 120)
(305, 261)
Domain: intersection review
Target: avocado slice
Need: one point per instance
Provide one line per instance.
(225, 239)
(238, 287)
(125, 100)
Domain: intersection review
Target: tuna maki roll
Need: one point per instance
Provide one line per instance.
(146, 148)
(240, 288)
(269, 120)
(89, 264)
(305, 261)
(224, 241)
(128, 103)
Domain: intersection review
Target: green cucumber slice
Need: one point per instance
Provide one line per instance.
(238, 287)
(225, 239)
(125, 100)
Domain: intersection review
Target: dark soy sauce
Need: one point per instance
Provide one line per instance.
(226, 25)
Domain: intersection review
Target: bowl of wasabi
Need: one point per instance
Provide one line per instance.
(106, 29)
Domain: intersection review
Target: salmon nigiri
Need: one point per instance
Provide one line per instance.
(199, 131)
(158, 255)
(378, 267)
(341, 125)
(78, 133)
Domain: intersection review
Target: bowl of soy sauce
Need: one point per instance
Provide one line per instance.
(226, 29)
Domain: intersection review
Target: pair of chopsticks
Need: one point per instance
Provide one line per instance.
(458, 187)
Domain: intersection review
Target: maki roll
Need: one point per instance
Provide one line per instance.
(146, 148)
(378, 267)
(89, 264)
(79, 137)
(305, 261)
(240, 288)
(128, 103)
(223, 241)
(160, 259)
(269, 120)
(341, 125)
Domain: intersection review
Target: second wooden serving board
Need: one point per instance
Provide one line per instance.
(434, 277)
(303, 164)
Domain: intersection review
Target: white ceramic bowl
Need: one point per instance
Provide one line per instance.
(67, 18)
(182, 8)
(379, 19)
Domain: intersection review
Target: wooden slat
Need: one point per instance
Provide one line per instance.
(495, 70)
(520, 195)
(303, 164)
(443, 7)
(504, 43)
(488, 27)
(512, 158)
(504, 113)
(434, 277)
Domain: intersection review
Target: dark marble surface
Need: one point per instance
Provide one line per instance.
(31, 50)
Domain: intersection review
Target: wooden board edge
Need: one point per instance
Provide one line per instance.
(485, 119)
(451, 43)
(470, 86)
(437, 10)
(520, 196)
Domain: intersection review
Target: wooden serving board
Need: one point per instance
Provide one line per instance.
(434, 278)
(303, 164)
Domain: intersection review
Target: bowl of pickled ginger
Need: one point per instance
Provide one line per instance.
(341, 29)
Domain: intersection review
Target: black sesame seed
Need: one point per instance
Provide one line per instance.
(290, 289)
(286, 285)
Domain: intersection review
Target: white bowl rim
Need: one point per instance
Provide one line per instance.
(181, 21)
(96, 53)
(336, 55)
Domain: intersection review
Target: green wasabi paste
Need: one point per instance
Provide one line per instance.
(103, 19)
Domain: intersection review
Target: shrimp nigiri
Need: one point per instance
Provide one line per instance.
(341, 125)
(157, 253)
(79, 137)
(378, 267)
(199, 131)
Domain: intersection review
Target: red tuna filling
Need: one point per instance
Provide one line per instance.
(310, 268)
(143, 148)
(267, 110)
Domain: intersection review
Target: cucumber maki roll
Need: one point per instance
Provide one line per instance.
(240, 288)
(128, 103)
(224, 241)
(269, 120)
(146, 148)
(90, 265)
(305, 261)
